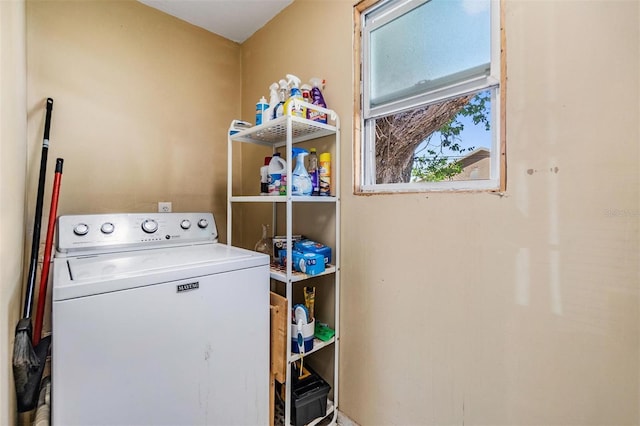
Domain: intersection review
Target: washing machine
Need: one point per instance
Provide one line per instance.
(154, 322)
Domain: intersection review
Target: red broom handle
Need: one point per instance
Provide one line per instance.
(44, 278)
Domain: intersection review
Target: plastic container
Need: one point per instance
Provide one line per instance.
(307, 331)
(277, 168)
(308, 396)
(312, 169)
(278, 110)
(274, 100)
(324, 174)
(300, 179)
(264, 177)
(262, 108)
(298, 111)
(317, 99)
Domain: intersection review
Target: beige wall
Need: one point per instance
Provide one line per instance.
(529, 317)
(13, 132)
(477, 308)
(142, 105)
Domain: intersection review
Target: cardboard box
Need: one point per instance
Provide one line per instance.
(280, 243)
(307, 263)
(309, 246)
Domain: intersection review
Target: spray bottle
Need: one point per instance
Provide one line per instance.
(317, 99)
(306, 94)
(282, 95)
(299, 110)
(273, 100)
(301, 181)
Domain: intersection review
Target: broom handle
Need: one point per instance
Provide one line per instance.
(35, 242)
(44, 277)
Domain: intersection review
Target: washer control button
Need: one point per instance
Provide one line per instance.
(202, 223)
(185, 224)
(107, 228)
(81, 229)
(149, 226)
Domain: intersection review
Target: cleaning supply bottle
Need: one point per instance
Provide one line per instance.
(306, 94)
(274, 99)
(264, 177)
(283, 184)
(324, 174)
(317, 99)
(313, 171)
(300, 181)
(277, 168)
(261, 111)
(299, 110)
(282, 96)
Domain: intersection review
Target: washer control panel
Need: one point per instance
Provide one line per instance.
(130, 231)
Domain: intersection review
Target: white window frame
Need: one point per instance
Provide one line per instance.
(384, 11)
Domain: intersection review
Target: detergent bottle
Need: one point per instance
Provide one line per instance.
(282, 96)
(301, 181)
(277, 169)
(317, 99)
(298, 111)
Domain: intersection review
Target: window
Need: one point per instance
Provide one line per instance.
(430, 96)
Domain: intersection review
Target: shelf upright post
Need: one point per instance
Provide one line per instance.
(229, 186)
(336, 348)
(289, 222)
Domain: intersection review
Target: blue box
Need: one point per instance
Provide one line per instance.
(309, 246)
(307, 263)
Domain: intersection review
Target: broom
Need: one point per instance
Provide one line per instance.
(44, 276)
(28, 363)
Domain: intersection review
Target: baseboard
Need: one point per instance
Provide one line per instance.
(343, 420)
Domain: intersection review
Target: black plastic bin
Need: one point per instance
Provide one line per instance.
(309, 397)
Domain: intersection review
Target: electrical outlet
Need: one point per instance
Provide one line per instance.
(164, 207)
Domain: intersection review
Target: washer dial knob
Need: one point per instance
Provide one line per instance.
(81, 229)
(185, 224)
(149, 226)
(202, 223)
(107, 228)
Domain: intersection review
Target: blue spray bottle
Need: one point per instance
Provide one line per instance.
(301, 181)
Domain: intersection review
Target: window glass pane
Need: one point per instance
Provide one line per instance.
(433, 45)
(446, 141)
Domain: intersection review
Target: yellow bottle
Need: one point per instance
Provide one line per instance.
(324, 174)
(299, 111)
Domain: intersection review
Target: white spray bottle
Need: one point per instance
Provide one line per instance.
(273, 100)
(301, 181)
(298, 111)
(282, 95)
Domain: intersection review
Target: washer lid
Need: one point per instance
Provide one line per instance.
(88, 275)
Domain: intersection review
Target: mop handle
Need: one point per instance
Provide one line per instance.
(44, 277)
(35, 242)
